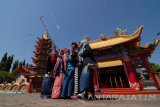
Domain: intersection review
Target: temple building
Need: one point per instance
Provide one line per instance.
(21, 73)
(123, 63)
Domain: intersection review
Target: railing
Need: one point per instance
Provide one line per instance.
(157, 76)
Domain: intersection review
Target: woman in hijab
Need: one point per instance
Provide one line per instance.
(68, 75)
(57, 72)
(86, 78)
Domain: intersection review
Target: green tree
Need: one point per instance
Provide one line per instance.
(24, 63)
(20, 63)
(6, 76)
(9, 63)
(15, 65)
(154, 67)
(3, 62)
(27, 65)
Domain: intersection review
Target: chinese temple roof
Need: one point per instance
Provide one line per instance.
(146, 49)
(115, 40)
(21, 69)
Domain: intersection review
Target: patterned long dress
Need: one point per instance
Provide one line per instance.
(58, 69)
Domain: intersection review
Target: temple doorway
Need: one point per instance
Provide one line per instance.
(113, 77)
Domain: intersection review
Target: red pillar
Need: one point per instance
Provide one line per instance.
(150, 72)
(96, 81)
(30, 86)
(133, 82)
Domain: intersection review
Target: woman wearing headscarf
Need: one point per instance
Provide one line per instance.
(57, 72)
(68, 75)
(86, 78)
(48, 80)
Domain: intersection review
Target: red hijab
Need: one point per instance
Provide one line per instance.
(53, 57)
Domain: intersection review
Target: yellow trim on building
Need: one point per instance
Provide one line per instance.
(109, 64)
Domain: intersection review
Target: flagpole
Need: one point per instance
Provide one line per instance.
(43, 23)
(41, 18)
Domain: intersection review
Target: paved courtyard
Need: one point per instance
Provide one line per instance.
(33, 100)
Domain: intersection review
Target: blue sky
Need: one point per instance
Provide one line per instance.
(70, 20)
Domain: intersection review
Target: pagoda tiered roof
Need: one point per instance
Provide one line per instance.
(38, 59)
(37, 55)
(44, 47)
(42, 51)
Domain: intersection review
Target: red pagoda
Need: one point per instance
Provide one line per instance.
(42, 50)
(123, 63)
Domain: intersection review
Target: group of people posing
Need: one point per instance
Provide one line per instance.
(70, 72)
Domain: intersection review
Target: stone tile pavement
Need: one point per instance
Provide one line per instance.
(34, 100)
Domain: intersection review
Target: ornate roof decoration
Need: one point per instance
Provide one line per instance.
(115, 40)
(46, 36)
(119, 31)
(145, 50)
(102, 37)
(155, 43)
(86, 37)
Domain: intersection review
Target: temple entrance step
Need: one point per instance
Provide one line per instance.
(119, 90)
(149, 85)
(126, 91)
(150, 88)
(148, 82)
(130, 93)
